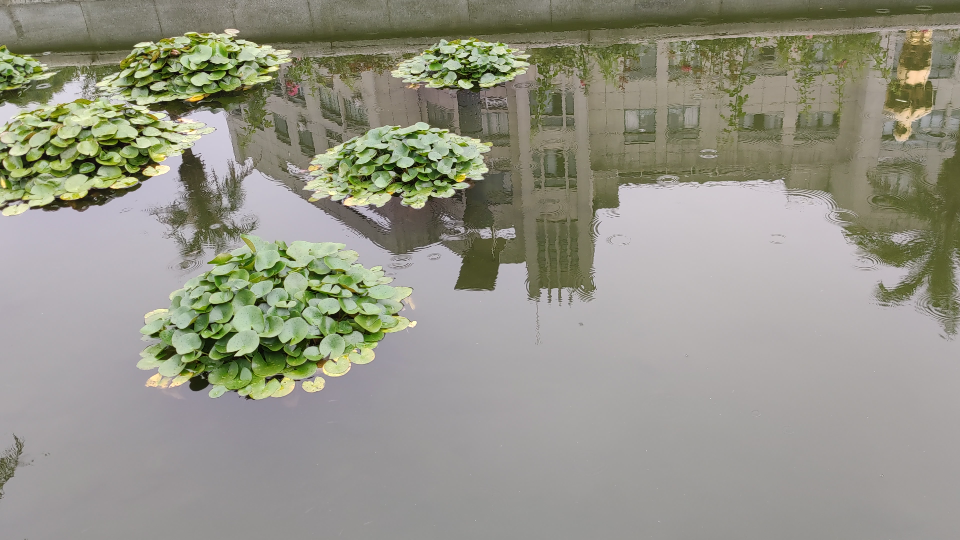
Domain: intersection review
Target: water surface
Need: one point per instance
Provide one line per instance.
(707, 290)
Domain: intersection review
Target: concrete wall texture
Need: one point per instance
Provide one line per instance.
(71, 25)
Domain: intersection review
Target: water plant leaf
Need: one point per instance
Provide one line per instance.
(365, 356)
(294, 330)
(332, 346)
(171, 367)
(248, 318)
(243, 343)
(295, 283)
(286, 386)
(82, 159)
(19, 70)
(315, 385)
(266, 259)
(381, 292)
(257, 332)
(266, 389)
(191, 67)
(268, 364)
(187, 342)
(303, 371)
(330, 306)
(336, 367)
(463, 63)
(153, 315)
(407, 162)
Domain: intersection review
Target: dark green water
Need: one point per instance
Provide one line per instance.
(708, 290)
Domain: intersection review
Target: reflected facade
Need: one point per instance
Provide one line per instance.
(854, 115)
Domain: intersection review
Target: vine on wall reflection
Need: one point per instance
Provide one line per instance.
(206, 218)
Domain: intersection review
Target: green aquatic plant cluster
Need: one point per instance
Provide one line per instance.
(463, 63)
(64, 151)
(192, 66)
(269, 314)
(416, 163)
(16, 70)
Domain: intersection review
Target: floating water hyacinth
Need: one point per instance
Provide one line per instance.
(64, 151)
(193, 66)
(17, 70)
(268, 315)
(463, 63)
(415, 163)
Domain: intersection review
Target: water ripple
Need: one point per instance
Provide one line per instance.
(618, 240)
(400, 262)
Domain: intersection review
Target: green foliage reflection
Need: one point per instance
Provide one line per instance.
(205, 217)
(929, 254)
(9, 461)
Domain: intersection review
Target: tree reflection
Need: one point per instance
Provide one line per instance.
(206, 216)
(9, 461)
(928, 254)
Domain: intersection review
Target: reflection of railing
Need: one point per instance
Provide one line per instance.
(558, 264)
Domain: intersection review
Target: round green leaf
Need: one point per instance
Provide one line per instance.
(243, 343)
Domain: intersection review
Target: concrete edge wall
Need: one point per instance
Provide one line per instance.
(592, 37)
(88, 25)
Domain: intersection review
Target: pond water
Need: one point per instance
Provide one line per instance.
(707, 290)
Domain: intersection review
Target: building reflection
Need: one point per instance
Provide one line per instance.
(820, 112)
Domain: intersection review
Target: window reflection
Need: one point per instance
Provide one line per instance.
(683, 122)
(281, 129)
(639, 126)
